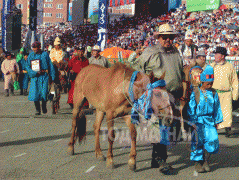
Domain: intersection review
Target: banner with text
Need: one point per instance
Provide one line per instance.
(70, 12)
(202, 5)
(173, 4)
(102, 24)
(5, 11)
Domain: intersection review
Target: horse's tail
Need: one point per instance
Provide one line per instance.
(79, 119)
(81, 128)
(79, 103)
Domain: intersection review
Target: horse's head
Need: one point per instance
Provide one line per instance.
(152, 97)
(162, 102)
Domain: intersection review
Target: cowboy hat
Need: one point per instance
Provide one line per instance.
(165, 29)
(96, 48)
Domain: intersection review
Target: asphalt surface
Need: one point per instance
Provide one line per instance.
(35, 147)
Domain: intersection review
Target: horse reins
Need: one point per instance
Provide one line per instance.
(133, 105)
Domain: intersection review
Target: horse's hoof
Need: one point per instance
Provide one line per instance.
(132, 164)
(110, 164)
(71, 151)
(101, 157)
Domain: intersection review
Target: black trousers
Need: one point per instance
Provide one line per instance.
(159, 154)
(160, 151)
(38, 106)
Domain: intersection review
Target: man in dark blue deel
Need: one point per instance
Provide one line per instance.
(39, 68)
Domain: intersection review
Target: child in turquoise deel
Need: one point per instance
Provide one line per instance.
(205, 114)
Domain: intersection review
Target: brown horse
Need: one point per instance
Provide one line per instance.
(107, 90)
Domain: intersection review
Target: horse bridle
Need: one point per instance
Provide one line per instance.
(130, 102)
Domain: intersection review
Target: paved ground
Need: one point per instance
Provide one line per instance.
(34, 147)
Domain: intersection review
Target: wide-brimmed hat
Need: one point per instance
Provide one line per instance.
(96, 48)
(57, 41)
(221, 50)
(165, 29)
(207, 75)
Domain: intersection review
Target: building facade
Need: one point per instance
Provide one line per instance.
(122, 7)
(53, 11)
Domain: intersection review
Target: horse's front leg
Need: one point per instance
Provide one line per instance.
(133, 134)
(111, 137)
(97, 125)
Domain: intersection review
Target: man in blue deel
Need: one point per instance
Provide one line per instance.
(205, 112)
(39, 68)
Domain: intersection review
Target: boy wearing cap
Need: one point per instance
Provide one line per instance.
(205, 114)
(226, 85)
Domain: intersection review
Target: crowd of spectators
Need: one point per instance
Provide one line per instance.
(209, 29)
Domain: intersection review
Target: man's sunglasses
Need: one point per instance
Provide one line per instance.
(171, 37)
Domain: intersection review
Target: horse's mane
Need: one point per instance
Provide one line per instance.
(122, 67)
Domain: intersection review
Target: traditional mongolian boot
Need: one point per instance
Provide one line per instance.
(198, 166)
(164, 167)
(228, 132)
(38, 108)
(25, 92)
(21, 92)
(6, 92)
(12, 92)
(206, 164)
